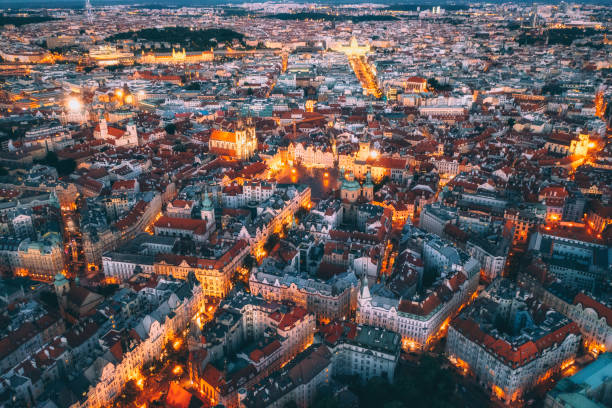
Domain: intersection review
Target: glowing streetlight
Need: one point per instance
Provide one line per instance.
(373, 154)
(74, 105)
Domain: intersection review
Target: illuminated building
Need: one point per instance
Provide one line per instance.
(263, 337)
(176, 57)
(214, 273)
(594, 317)
(502, 342)
(116, 136)
(311, 156)
(599, 217)
(41, 259)
(180, 208)
(351, 190)
(332, 299)
(240, 143)
(353, 48)
(568, 144)
(275, 213)
(415, 84)
(109, 55)
(142, 342)
(419, 318)
(524, 222)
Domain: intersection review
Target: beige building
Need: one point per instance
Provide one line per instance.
(41, 259)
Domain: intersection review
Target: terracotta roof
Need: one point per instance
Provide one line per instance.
(223, 136)
(602, 310)
(188, 224)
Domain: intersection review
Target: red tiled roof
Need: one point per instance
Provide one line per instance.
(223, 136)
(188, 224)
(602, 310)
(515, 356)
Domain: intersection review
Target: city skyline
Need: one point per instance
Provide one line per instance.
(294, 204)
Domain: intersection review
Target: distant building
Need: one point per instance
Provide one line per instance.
(240, 143)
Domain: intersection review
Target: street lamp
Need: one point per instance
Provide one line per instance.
(74, 105)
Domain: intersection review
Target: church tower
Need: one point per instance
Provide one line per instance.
(131, 133)
(368, 187)
(62, 287)
(208, 212)
(103, 128)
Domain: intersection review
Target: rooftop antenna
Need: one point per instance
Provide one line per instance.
(88, 11)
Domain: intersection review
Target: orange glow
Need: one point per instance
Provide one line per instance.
(409, 344)
(460, 364)
(499, 393)
(326, 174)
(178, 370)
(567, 364)
(177, 344)
(594, 348)
(293, 171)
(591, 145)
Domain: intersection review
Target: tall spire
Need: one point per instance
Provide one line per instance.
(365, 290)
(89, 11)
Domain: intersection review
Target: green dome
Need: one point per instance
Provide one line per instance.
(60, 280)
(368, 183)
(350, 185)
(207, 204)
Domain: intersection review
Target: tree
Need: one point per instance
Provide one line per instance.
(179, 147)
(65, 167)
(194, 86)
(51, 159)
(436, 86)
(552, 88)
(170, 128)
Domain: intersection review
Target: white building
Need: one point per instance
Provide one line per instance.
(509, 362)
(363, 351)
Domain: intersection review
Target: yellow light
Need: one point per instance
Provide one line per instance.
(591, 145)
(177, 344)
(326, 174)
(293, 171)
(373, 154)
(119, 93)
(177, 370)
(74, 104)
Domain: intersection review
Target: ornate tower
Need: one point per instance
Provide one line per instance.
(368, 187)
(208, 212)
